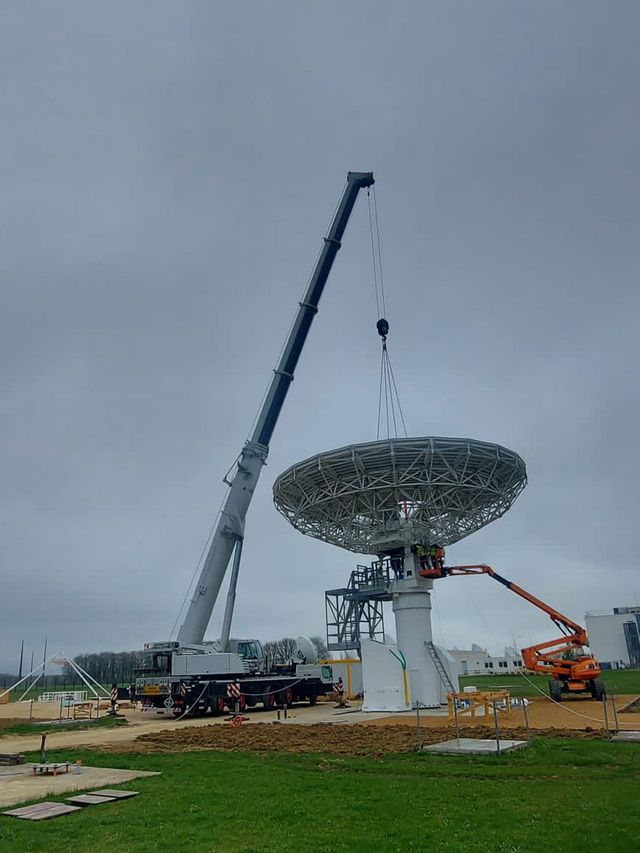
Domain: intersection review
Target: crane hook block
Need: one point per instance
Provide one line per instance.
(383, 328)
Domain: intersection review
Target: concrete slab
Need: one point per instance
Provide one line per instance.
(42, 811)
(89, 800)
(475, 746)
(114, 793)
(18, 784)
(627, 737)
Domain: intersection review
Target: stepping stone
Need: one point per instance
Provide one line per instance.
(629, 737)
(114, 793)
(474, 746)
(42, 811)
(90, 799)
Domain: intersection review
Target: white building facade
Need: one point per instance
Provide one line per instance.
(478, 661)
(614, 637)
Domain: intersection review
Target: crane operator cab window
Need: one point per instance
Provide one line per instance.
(250, 650)
(161, 663)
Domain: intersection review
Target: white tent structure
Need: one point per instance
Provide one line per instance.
(94, 687)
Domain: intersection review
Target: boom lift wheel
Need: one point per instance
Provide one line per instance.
(555, 689)
(598, 689)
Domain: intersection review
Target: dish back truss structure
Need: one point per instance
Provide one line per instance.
(370, 498)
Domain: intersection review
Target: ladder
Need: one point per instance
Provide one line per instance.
(442, 671)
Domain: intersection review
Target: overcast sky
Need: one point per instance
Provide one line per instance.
(168, 170)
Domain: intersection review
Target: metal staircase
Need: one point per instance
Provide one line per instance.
(356, 610)
(442, 670)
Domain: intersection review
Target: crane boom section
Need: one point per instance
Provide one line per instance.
(283, 374)
(230, 526)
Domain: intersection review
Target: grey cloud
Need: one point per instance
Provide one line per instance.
(168, 171)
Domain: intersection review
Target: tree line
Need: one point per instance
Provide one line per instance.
(109, 667)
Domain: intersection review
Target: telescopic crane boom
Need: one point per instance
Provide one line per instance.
(230, 527)
(577, 673)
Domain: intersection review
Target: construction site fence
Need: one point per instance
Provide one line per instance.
(43, 685)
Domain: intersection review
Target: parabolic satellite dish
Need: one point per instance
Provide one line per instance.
(384, 494)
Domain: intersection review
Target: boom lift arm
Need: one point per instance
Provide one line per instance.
(230, 527)
(575, 674)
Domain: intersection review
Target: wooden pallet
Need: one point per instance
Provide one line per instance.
(8, 758)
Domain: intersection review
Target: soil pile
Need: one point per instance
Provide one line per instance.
(12, 721)
(353, 739)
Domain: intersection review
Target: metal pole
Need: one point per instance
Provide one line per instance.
(418, 733)
(455, 715)
(615, 712)
(495, 717)
(526, 718)
(606, 715)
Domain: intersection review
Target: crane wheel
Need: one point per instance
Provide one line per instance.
(555, 689)
(598, 689)
(285, 696)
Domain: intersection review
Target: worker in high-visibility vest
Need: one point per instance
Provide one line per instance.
(338, 688)
(422, 553)
(436, 555)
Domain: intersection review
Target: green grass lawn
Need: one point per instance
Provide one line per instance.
(618, 681)
(33, 728)
(560, 795)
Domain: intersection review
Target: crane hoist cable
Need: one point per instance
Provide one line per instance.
(388, 397)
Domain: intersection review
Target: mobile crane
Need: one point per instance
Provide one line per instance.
(191, 674)
(577, 673)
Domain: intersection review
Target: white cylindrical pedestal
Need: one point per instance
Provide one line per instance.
(412, 609)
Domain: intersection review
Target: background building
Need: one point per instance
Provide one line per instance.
(478, 661)
(614, 636)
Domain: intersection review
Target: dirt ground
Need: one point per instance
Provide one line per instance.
(356, 739)
(325, 728)
(573, 714)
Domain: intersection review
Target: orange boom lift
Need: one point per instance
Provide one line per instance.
(575, 673)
